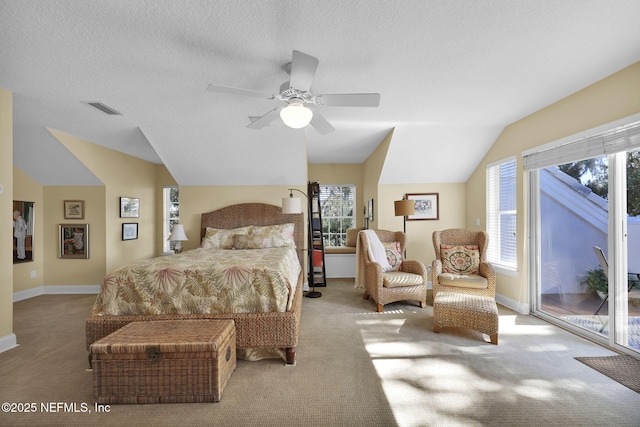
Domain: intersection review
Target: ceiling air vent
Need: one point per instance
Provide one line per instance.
(104, 108)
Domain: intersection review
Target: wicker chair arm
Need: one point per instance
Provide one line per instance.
(488, 272)
(415, 267)
(373, 267)
(436, 270)
(436, 267)
(374, 278)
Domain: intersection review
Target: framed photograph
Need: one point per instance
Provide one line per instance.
(426, 206)
(370, 210)
(23, 231)
(74, 209)
(129, 231)
(74, 241)
(129, 207)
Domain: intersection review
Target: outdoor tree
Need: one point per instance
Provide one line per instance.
(337, 213)
(593, 173)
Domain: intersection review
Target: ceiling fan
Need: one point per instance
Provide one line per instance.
(300, 109)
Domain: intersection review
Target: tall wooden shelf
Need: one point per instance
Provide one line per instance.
(317, 272)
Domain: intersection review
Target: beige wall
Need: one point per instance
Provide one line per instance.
(6, 214)
(366, 177)
(28, 190)
(194, 200)
(65, 271)
(123, 176)
(372, 170)
(612, 98)
(345, 174)
(452, 214)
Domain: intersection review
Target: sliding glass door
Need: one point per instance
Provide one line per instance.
(585, 238)
(627, 292)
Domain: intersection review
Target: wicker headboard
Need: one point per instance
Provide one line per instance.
(244, 214)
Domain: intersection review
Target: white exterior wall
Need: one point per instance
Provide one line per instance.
(573, 221)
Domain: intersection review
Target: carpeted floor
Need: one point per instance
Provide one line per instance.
(622, 368)
(355, 367)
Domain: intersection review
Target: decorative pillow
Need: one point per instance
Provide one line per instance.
(222, 238)
(246, 241)
(460, 259)
(271, 236)
(394, 255)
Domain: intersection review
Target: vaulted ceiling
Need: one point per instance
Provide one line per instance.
(451, 74)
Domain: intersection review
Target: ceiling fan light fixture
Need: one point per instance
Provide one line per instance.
(296, 115)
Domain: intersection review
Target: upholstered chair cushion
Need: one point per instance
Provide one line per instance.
(473, 281)
(397, 279)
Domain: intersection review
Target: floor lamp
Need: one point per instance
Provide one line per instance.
(292, 205)
(404, 208)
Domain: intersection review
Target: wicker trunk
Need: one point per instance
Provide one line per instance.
(164, 362)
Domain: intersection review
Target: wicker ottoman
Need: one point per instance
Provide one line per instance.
(466, 311)
(164, 362)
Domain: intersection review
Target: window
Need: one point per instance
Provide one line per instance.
(501, 213)
(337, 205)
(171, 202)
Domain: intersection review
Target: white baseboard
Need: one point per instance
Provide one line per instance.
(517, 306)
(55, 290)
(8, 342)
(29, 293)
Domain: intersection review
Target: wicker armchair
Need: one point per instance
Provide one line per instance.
(482, 284)
(409, 283)
(462, 298)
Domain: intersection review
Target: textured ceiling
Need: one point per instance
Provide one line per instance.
(451, 74)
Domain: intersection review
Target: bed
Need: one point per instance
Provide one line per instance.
(266, 325)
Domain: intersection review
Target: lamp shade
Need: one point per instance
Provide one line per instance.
(291, 205)
(296, 115)
(404, 207)
(178, 233)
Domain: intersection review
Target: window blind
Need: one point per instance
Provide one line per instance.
(501, 213)
(623, 138)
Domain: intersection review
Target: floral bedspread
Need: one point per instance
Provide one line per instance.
(202, 281)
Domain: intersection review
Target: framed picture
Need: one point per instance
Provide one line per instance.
(370, 210)
(23, 231)
(74, 240)
(74, 209)
(129, 207)
(129, 231)
(426, 206)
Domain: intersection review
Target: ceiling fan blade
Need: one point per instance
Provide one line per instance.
(350, 100)
(321, 124)
(303, 68)
(237, 91)
(261, 122)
